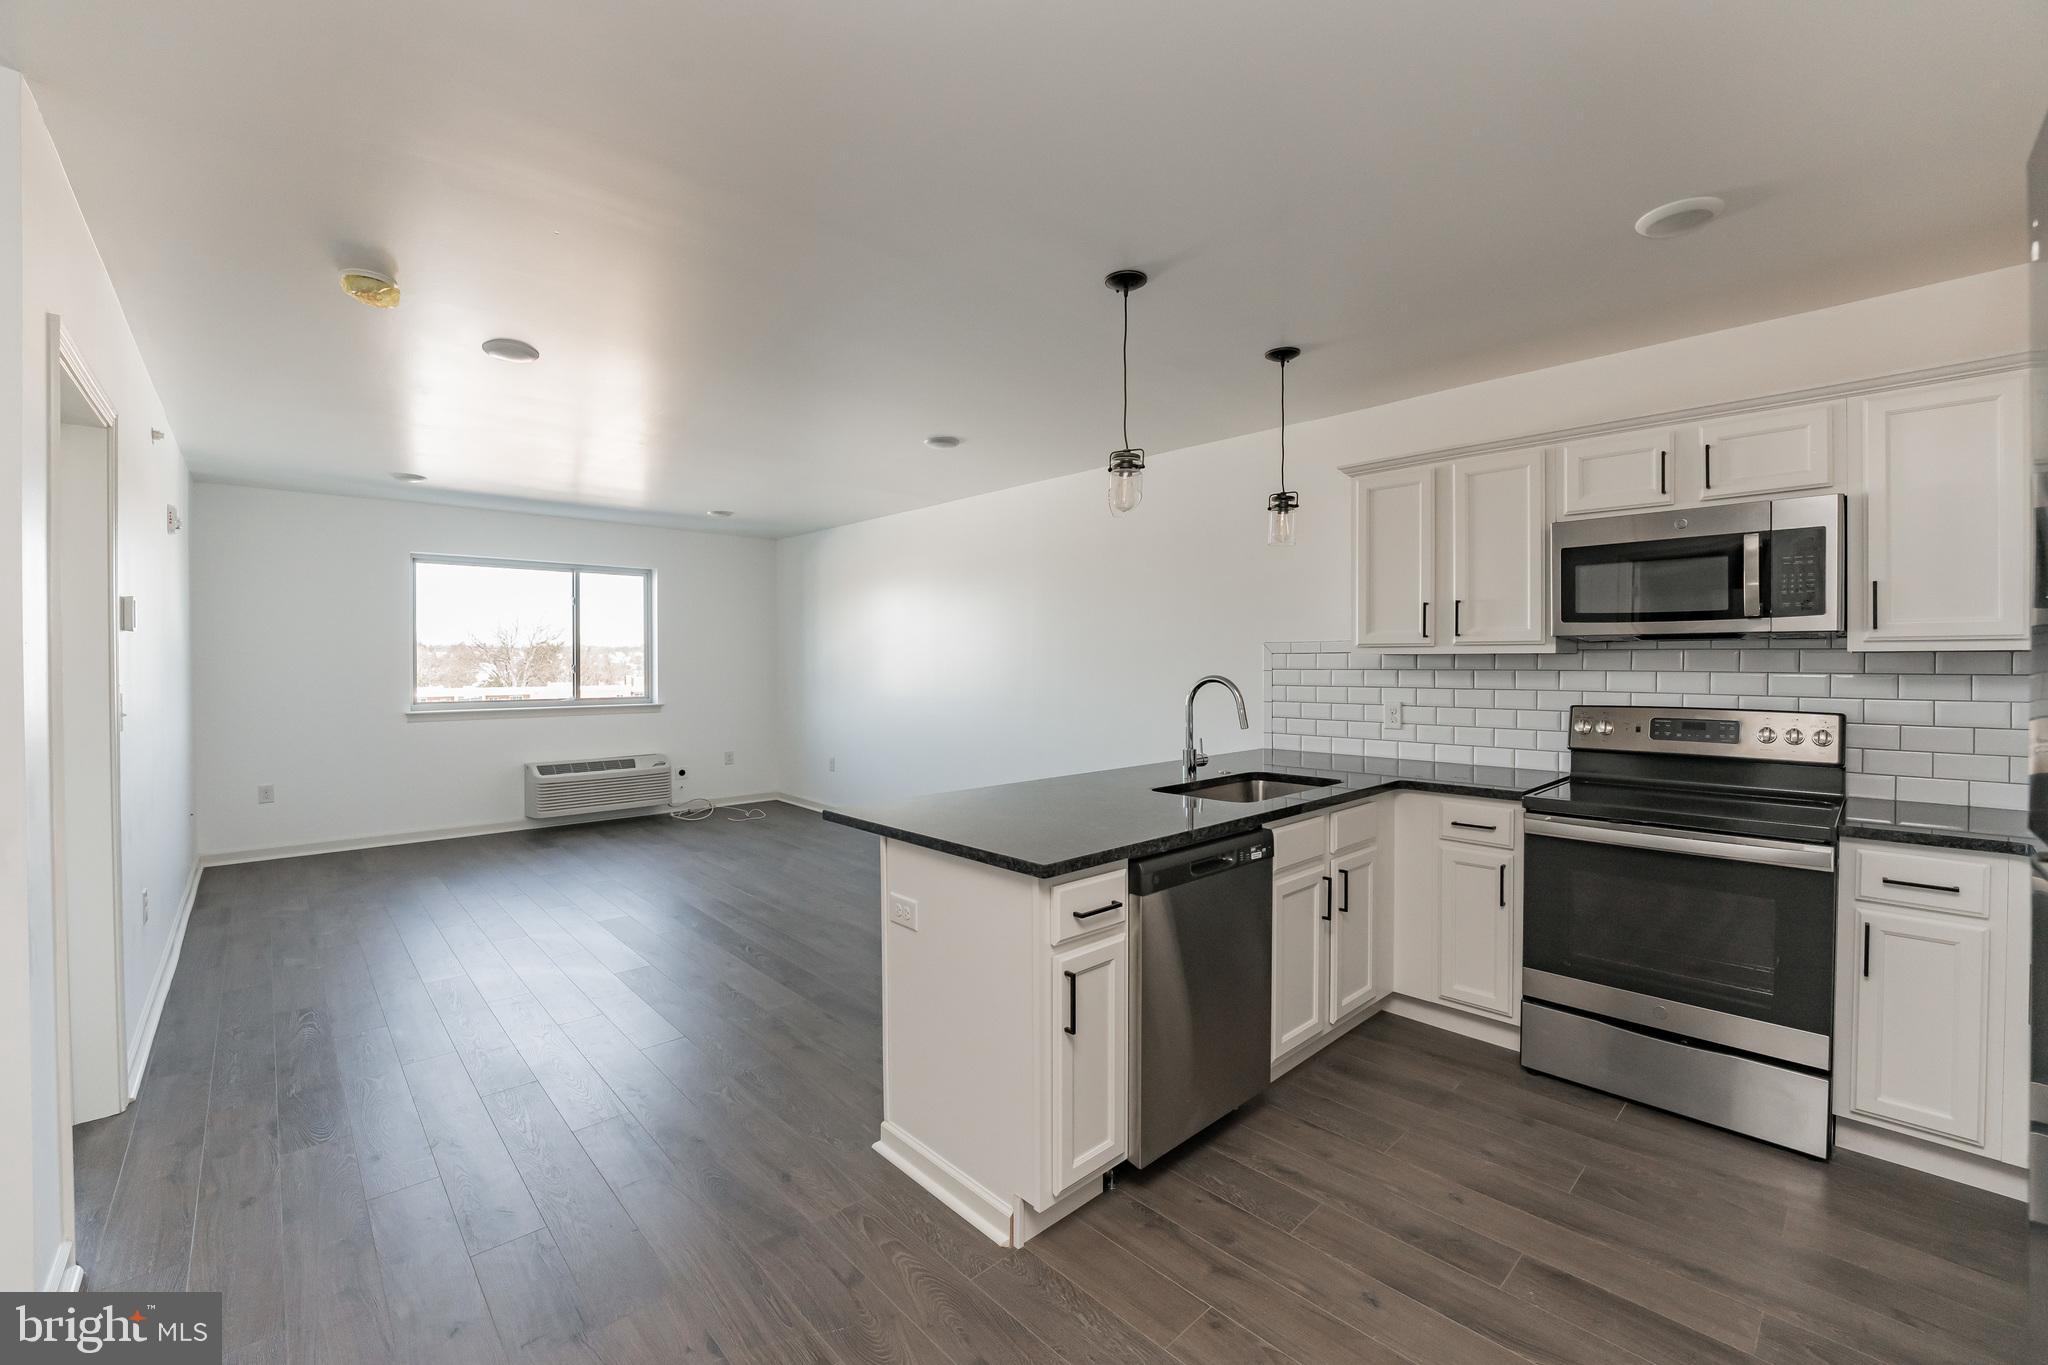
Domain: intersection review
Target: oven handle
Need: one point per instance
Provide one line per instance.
(1752, 574)
(1731, 847)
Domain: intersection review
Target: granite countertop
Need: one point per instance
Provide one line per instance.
(1980, 829)
(1059, 825)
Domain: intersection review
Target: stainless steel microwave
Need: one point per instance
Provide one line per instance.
(1745, 568)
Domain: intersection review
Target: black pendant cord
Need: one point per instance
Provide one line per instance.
(1127, 368)
(1283, 426)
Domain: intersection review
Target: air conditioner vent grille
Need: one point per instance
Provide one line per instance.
(595, 785)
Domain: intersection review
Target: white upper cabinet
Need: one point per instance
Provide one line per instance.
(1499, 536)
(1948, 549)
(1757, 454)
(1394, 554)
(1618, 472)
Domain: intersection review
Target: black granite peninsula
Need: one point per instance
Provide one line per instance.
(1976, 829)
(1057, 825)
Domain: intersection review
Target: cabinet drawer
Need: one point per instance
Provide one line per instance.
(1477, 822)
(1925, 881)
(1354, 825)
(1300, 841)
(1092, 903)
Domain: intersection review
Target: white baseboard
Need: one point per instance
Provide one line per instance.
(802, 802)
(1498, 1032)
(946, 1183)
(1965, 1169)
(65, 1275)
(160, 986)
(428, 836)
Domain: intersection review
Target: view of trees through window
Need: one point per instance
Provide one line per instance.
(489, 633)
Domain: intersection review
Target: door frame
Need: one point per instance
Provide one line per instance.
(67, 363)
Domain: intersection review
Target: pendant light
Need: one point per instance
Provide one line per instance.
(1126, 466)
(1280, 506)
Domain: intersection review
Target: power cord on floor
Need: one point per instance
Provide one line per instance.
(701, 808)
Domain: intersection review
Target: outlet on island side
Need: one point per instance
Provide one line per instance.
(903, 911)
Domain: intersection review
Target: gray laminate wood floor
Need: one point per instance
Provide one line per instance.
(606, 1094)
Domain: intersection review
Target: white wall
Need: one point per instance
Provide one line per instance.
(1026, 632)
(48, 256)
(303, 617)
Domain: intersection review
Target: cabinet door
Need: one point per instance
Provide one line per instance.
(1301, 903)
(1946, 471)
(1353, 964)
(1923, 1010)
(1475, 930)
(1090, 1060)
(1394, 549)
(1614, 473)
(1755, 454)
(1499, 549)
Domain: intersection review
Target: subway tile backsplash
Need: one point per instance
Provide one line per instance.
(1947, 727)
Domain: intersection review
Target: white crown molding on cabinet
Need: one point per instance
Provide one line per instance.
(1967, 369)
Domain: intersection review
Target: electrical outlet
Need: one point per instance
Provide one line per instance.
(728, 758)
(831, 765)
(1393, 714)
(266, 795)
(145, 905)
(903, 911)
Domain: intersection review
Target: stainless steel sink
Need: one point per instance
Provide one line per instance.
(1247, 787)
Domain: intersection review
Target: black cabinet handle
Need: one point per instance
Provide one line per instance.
(1503, 886)
(1457, 616)
(1345, 873)
(1708, 454)
(1660, 473)
(1091, 914)
(1924, 886)
(1328, 897)
(1467, 824)
(1866, 947)
(1873, 604)
(1425, 618)
(1070, 1004)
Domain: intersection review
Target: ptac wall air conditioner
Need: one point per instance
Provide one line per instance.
(591, 786)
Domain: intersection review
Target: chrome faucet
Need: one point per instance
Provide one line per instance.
(1191, 755)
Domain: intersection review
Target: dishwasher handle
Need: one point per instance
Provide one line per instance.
(1236, 855)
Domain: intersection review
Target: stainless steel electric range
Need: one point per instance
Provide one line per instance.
(1679, 915)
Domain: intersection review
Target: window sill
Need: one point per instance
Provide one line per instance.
(574, 708)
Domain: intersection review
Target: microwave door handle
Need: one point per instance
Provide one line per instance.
(1753, 574)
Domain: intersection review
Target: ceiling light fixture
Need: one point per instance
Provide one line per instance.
(404, 476)
(1679, 216)
(373, 287)
(1126, 466)
(943, 442)
(511, 349)
(1280, 507)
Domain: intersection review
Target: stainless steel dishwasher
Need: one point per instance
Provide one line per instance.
(1201, 934)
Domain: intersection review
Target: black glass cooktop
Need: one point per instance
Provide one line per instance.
(1762, 815)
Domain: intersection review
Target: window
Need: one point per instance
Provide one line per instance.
(490, 633)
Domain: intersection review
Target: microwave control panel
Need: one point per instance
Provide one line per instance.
(1799, 571)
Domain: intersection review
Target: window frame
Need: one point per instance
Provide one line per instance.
(650, 701)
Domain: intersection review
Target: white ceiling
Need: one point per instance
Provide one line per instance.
(765, 248)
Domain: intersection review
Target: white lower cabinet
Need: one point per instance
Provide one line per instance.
(1301, 935)
(1922, 1015)
(1477, 893)
(1090, 1059)
(1354, 932)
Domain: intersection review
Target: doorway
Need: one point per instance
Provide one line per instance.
(85, 741)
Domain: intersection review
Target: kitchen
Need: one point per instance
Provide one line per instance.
(993, 684)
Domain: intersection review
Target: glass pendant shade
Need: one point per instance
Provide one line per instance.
(1126, 480)
(1280, 510)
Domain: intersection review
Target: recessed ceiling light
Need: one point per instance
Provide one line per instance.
(373, 287)
(512, 349)
(943, 442)
(405, 476)
(718, 512)
(1680, 215)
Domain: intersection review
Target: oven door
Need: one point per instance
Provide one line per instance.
(1726, 940)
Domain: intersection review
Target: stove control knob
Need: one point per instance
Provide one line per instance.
(1767, 736)
(1821, 739)
(1794, 737)
(1605, 727)
(1582, 727)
